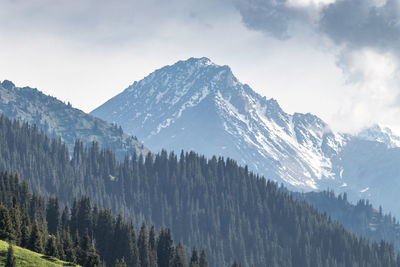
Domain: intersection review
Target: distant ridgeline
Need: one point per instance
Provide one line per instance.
(84, 235)
(208, 203)
(61, 120)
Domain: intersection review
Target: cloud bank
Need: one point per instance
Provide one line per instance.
(365, 37)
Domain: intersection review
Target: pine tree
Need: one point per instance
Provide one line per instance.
(53, 215)
(11, 261)
(152, 246)
(85, 248)
(25, 235)
(51, 247)
(60, 247)
(6, 228)
(133, 259)
(165, 249)
(65, 217)
(179, 259)
(236, 264)
(35, 241)
(143, 245)
(15, 216)
(194, 259)
(203, 259)
(68, 246)
(26, 229)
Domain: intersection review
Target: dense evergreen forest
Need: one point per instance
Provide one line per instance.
(360, 218)
(84, 234)
(211, 203)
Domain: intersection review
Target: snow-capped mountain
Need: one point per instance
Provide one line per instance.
(198, 105)
(380, 134)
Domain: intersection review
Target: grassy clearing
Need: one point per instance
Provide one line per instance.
(29, 258)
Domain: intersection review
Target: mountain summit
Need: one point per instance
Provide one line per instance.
(198, 105)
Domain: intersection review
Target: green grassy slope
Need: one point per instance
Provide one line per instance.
(29, 258)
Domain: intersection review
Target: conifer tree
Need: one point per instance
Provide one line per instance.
(6, 228)
(194, 259)
(25, 235)
(68, 246)
(65, 217)
(60, 248)
(133, 259)
(26, 229)
(152, 246)
(85, 248)
(203, 259)
(51, 247)
(11, 261)
(15, 216)
(35, 241)
(143, 245)
(53, 215)
(179, 259)
(165, 249)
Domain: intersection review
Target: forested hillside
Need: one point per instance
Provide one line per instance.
(360, 218)
(58, 119)
(211, 203)
(84, 234)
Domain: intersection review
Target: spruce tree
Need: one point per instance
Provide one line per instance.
(85, 248)
(65, 217)
(11, 261)
(51, 247)
(6, 228)
(165, 249)
(152, 246)
(194, 259)
(179, 259)
(134, 259)
(53, 215)
(15, 216)
(143, 245)
(203, 259)
(26, 229)
(35, 241)
(68, 246)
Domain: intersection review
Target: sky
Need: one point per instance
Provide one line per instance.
(337, 59)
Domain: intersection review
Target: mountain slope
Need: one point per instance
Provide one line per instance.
(360, 218)
(60, 120)
(197, 105)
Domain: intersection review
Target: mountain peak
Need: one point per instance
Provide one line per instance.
(9, 85)
(380, 134)
(195, 104)
(204, 61)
